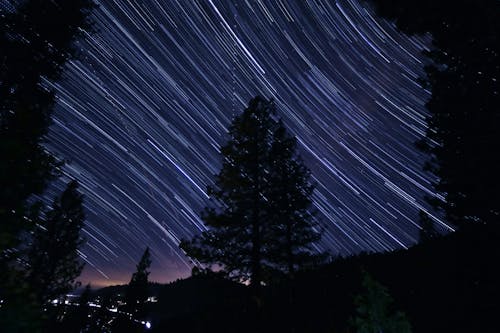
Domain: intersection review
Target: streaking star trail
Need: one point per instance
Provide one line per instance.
(141, 115)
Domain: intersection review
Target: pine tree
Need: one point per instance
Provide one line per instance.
(292, 228)
(36, 39)
(253, 226)
(374, 313)
(53, 258)
(137, 289)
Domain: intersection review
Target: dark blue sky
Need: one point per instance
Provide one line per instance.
(141, 116)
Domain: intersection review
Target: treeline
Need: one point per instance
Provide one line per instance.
(38, 243)
(261, 225)
(447, 284)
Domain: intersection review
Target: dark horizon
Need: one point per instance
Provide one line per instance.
(250, 166)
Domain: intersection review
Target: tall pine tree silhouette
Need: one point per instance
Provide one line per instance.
(254, 225)
(137, 289)
(292, 229)
(36, 39)
(53, 260)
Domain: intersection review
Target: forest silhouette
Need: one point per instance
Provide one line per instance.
(255, 268)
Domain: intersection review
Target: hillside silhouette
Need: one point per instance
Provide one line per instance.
(447, 284)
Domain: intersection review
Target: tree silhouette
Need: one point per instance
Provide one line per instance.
(255, 228)
(137, 289)
(36, 39)
(53, 258)
(374, 313)
(292, 228)
(462, 137)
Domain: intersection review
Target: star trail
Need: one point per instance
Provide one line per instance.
(140, 117)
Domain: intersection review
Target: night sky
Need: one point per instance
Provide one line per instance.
(141, 115)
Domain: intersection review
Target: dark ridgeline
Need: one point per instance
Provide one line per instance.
(439, 286)
(260, 220)
(36, 40)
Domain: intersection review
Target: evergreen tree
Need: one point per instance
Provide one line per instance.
(53, 258)
(138, 287)
(462, 136)
(18, 302)
(253, 225)
(374, 313)
(36, 39)
(292, 229)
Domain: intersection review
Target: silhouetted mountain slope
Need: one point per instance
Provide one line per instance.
(449, 284)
